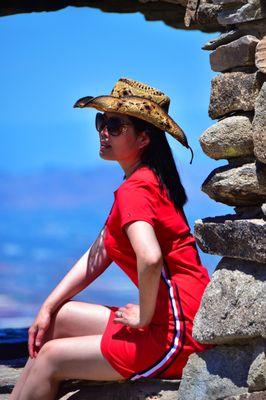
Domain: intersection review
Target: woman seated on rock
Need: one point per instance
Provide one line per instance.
(148, 236)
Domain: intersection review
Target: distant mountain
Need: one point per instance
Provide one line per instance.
(58, 187)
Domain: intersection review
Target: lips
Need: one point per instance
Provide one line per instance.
(104, 145)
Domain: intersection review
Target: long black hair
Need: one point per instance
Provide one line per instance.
(158, 156)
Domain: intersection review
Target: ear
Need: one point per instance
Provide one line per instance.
(143, 139)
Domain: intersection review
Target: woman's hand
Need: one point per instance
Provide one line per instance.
(130, 316)
(37, 330)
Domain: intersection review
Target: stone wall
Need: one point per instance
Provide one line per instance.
(233, 308)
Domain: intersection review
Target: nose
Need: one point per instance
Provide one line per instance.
(104, 134)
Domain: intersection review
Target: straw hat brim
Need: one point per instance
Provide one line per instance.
(139, 107)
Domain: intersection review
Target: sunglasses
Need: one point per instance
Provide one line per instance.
(113, 124)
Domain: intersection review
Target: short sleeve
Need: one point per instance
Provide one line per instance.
(136, 201)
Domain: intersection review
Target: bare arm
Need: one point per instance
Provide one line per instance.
(149, 264)
(92, 264)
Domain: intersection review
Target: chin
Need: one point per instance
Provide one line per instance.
(106, 157)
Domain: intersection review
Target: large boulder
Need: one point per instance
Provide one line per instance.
(228, 138)
(259, 125)
(243, 185)
(230, 236)
(233, 305)
(233, 91)
(260, 54)
(257, 371)
(248, 396)
(240, 52)
(237, 14)
(218, 373)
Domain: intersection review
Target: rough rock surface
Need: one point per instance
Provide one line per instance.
(224, 38)
(206, 14)
(91, 390)
(259, 125)
(240, 52)
(249, 28)
(248, 396)
(260, 55)
(232, 91)
(251, 212)
(257, 371)
(230, 137)
(233, 306)
(252, 10)
(232, 237)
(244, 185)
(217, 373)
(229, 2)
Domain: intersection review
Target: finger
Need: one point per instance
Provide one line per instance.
(39, 337)
(32, 334)
(119, 320)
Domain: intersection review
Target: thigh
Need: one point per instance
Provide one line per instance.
(76, 318)
(76, 358)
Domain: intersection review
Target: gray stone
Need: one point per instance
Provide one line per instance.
(230, 137)
(235, 186)
(240, 52)
(251, 212)
(229, 2)
(240, 160)
(233, 306)
(190, 12)
(248, 396)
(232, 237)
(217, 373)
(257, 371)
(206, 14)
(260, 55)
(259, 126)
(232, 91)
(224, 38)
(258, 30)
(253, 10)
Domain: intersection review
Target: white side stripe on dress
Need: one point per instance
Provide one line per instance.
(175, 344)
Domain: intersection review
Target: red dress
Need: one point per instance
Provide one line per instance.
(161, 349)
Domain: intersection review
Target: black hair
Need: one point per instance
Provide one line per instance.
(158, 156)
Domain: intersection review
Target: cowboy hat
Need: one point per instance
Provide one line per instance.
(139, 100)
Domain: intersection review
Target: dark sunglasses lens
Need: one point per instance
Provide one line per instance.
(113, 125)
(100, 122)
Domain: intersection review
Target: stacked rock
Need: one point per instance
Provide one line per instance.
(233, 309)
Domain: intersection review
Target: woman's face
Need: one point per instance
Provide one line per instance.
(125, 147)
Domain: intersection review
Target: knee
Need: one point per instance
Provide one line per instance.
(47, 358)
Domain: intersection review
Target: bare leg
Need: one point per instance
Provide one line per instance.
(67, 358)
(72, 319)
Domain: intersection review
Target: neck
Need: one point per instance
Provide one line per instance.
(129, 169)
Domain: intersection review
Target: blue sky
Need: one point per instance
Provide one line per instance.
(49, 60)
(52, 59)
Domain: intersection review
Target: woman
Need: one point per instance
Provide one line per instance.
(148, 236)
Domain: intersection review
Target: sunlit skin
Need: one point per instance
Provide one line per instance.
(125, 148)
(65, 336)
